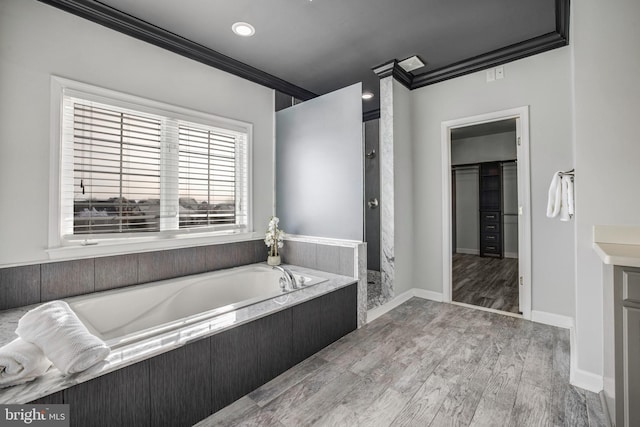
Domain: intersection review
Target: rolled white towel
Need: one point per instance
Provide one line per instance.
(63, 338)
(21, 362)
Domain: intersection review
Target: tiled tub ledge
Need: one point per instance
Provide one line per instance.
(53, 381)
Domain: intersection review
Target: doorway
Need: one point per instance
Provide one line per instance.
(486, 214)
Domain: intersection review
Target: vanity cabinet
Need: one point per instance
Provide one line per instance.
(626, 296)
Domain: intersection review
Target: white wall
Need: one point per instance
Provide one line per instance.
(37, 41)
(607, 147)
(544, 83)
(403, 188)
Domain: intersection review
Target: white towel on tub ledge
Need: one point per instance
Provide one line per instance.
(63, 338)
(21, 362)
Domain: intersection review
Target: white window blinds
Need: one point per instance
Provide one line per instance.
(127, 171)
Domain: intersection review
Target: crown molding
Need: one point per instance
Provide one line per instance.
(142, 30)
(533, 46)
(491, 59)
(392, 68)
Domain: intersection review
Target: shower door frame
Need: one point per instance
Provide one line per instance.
(521, 114)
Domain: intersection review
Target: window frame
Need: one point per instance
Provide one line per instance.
(60, 246)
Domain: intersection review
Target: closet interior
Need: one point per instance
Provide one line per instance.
(485, 216)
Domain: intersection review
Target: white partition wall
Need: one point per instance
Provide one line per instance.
(319, 161)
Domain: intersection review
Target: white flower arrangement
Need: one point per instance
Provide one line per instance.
(274, 238)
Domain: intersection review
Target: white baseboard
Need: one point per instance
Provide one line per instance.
(468, 251)
(376, 312)
(511, 255)
(585, 380)
(552, 319)
(578, 377)
(430, 295)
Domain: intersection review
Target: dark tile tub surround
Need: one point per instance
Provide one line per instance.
(31, 284)
(329, 258)
(19, 286)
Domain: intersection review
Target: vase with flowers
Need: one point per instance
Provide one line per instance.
(274, 239)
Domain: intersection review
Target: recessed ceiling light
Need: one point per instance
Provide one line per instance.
(243, 29)
(367, 95)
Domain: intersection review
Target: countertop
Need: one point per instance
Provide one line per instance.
(618, 254)
(617, 244)
(53, 380)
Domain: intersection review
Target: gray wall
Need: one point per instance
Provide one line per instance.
(510, 207)
(486, 148)
(36, 41)
(606, 107)
(319, 182)
(467, 211)
(372, 190)
(527, 82)
(467, 221)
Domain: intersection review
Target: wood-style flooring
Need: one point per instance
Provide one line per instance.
(427, 364)
(486, 282)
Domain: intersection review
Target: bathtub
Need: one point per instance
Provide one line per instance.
(126, 315)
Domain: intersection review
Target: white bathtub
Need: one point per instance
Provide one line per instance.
(125, 315)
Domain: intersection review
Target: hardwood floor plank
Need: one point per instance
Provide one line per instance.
(338, 417)
(531, 407)
(274, 388)
(428, 364)
(231, 415)
(491, 413)
(502, 386)
(538, 366)
(597, 416)
(384, 410)
(424, 405)
(460, 405)
(311, 410)
(293, 397)
(486, 282)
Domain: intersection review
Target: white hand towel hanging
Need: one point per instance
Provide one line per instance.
(570, 200)
(566, 210)
(555, 196)
(63, 338)
(21, 362)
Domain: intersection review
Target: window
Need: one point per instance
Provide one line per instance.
(131, 169)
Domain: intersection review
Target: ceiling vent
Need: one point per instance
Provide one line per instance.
(411, 63)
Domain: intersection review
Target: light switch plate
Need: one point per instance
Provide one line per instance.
(491, 75)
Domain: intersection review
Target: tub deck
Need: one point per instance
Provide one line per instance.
(134, 352)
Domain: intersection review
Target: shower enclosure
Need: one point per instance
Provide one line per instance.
(372, 211)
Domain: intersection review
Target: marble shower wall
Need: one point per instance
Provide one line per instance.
(387, 235)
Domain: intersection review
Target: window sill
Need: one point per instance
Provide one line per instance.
(144, 244)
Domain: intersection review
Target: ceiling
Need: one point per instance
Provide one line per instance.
(323, 45)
